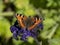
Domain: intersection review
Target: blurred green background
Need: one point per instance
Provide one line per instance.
(48, 9)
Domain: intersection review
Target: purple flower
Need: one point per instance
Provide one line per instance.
(25, 33)
(40, 26)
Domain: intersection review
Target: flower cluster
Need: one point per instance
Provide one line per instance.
(30, 29)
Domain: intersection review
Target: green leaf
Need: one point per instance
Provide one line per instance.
(48, 23)
(21, 3)
(57, 33)
(4, 28)
(54, 41)
(30, 40)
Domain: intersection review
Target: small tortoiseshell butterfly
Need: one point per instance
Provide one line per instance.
(28, 22)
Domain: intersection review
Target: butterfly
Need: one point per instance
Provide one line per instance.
(31, 21)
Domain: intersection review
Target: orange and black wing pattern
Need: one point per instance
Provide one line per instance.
(21, 18)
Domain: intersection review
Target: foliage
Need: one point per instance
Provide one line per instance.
(48, 9)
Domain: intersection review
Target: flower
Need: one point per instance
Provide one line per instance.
(16, 31)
